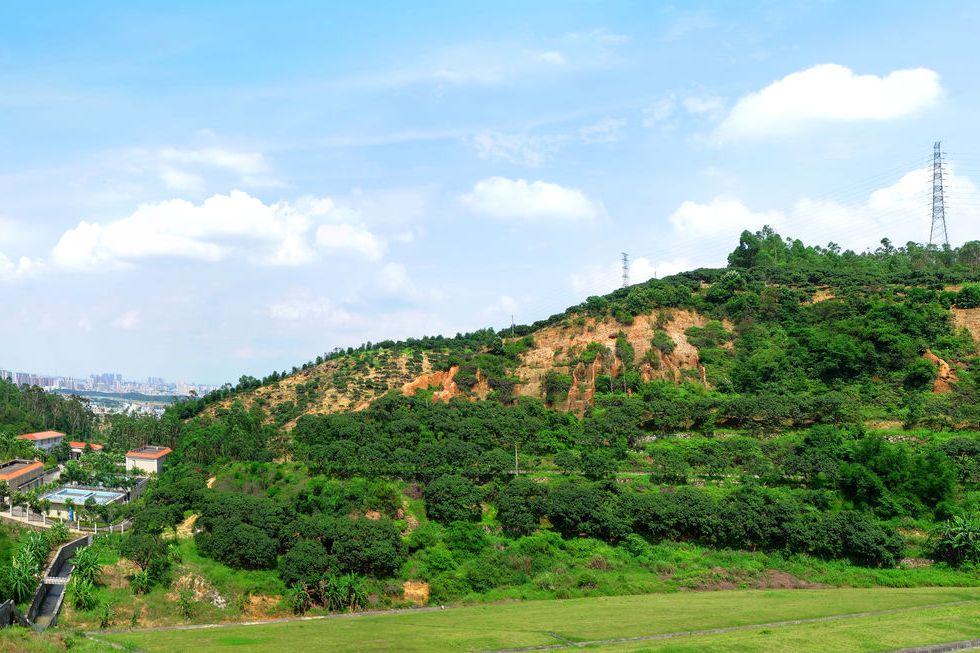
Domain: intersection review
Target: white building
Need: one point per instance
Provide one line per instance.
(44, 440)
(148, 459)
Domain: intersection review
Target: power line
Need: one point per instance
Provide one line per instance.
(938, 203)
(626, 270)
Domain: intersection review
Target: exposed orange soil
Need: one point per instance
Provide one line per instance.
(944, 374)
(969, 319)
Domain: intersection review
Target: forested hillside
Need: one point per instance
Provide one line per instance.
(785, 333)
(804, 416)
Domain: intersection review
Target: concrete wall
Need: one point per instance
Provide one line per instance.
(64, 553)
(67, 551)
(146, 465)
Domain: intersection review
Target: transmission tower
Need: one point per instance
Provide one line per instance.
(626, 270)
(938, 199)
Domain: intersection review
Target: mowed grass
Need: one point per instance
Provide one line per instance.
(539, 623)
(860, 635)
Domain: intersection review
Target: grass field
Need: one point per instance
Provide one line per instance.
(538, 623)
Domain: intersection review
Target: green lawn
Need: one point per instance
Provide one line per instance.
(539, 622)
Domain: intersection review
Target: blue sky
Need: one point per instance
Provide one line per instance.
(204, 191)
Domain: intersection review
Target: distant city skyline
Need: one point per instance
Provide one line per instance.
(206, 190)
(105, 382)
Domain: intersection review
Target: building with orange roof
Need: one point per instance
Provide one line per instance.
(22, 474)
(44, 440)
(78, 447)
(149, 459)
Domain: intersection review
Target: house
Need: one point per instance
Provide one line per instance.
(21, 474)
(149, 459)
(78, 447)
(44, 440)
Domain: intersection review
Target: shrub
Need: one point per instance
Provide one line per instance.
(304, 564)
(140, 582)
(368, 547)
(82, 594)
(957, 540)
(452, 498)
(519, 506)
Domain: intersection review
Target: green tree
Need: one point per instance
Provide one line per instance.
(452, 498)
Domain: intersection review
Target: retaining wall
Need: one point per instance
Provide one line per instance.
(64, 553)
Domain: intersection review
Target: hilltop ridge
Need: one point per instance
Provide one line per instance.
(782, 318)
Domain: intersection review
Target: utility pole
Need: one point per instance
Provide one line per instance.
(938, 198)
(626, 270)
(517, 467)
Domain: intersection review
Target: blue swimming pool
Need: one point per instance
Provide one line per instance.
(80, 495)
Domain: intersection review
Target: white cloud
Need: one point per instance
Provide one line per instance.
(721, 217)
(659, 112)
(128, 320)
(218, 228)
(829, 93)
(607, 130)
(350, 238)
(520, 149)
(519, 199)
(710, 105)
(19, 270)
(244, 163)
(181, 180)
(303, 306)
(252, 168)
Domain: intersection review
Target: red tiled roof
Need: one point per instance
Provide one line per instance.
(41, 435)
(20, 472)
(81, 445)
(152, 455)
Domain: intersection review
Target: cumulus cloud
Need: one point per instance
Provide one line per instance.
(829, 93)
(518, 199)
(22, 268)
(349, 238)
(219, 228)
(722, 217)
